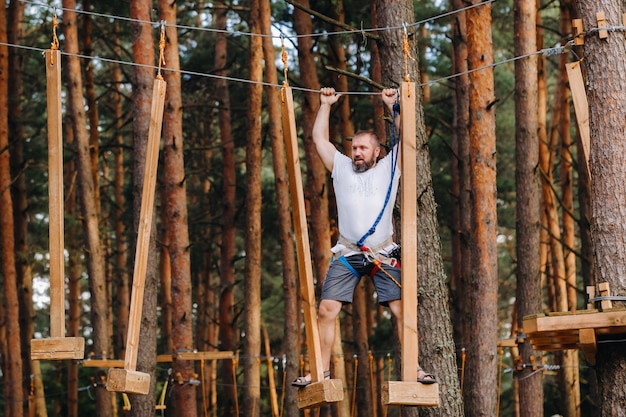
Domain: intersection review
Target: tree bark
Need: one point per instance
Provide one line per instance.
(607, 123)
(252, 297)
(89, 211)
(462, 210)
(229, 210)
(527, 184)
(122, 286)
(291, 346)
(481, 366)
(437, 351)
(14, 392)
(174, 206)
(143, 81)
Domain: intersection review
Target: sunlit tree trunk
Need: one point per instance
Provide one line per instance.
(12, 369)
(316, 190)
(142, 36)
(252, 297)
(436, 347)
(481, 379)
(462, 210)
(527, 182)
(291, 347)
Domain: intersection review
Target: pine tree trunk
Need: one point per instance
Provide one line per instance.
(481, 366)
(528, 198)
(462, 210)
(316, 193)
(122, 285)
(12, 369)
(291, 346)
(229, 181)
(252, 297)
(143, 81)
(89, 211)
(436, 346)
(605, 67)
(15, 32)
(174, 206)
(91, 101)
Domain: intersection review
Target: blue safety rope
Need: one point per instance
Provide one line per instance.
(394, 163)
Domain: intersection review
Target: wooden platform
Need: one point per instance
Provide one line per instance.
(410, 393)
(320, 393)
(574, 330)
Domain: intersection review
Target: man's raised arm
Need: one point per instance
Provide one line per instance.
(321, 135)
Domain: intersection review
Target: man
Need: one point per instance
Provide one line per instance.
(365, 191)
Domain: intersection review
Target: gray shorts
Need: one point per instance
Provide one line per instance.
(340, 281)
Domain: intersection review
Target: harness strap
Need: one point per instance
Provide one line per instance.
(350, 267)
(351, 247)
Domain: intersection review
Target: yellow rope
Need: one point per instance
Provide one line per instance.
(407, 55)
(284, 57)
(161, 49)
(234, 362)
(55, 41)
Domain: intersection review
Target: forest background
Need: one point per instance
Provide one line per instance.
(221, 271)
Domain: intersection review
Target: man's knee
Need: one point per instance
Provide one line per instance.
(329, 309)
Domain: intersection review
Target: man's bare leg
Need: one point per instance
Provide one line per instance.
(326, 316)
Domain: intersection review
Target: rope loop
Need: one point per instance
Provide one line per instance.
(284, 57)
(407, 53)
(161, 48)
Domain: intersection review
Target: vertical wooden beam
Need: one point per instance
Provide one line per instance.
(55, 194)
(581, 107)
(409, 391)
(330, 390)
(128, 379)
(57, 346)
(408, 189)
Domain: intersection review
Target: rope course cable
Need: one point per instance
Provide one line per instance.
(547, 51)
(240, 33)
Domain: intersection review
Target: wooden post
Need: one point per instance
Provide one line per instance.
(581, 107)
(409, 391)
(57, 346)
(129, 379)
(320, 391)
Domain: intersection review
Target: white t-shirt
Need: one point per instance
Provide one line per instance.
(360, 198)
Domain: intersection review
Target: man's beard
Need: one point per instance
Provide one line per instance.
(364, 166)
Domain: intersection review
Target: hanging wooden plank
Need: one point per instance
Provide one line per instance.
(409, 391)
(581, 107)
(320, 391)
(129, 379)
(57, 346)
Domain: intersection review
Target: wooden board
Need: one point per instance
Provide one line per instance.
(408, 332)
(581, 106)
(128, 381)
(320, 393)
(410, 393)
(57, 348)
(303, 250)
(574, 330)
